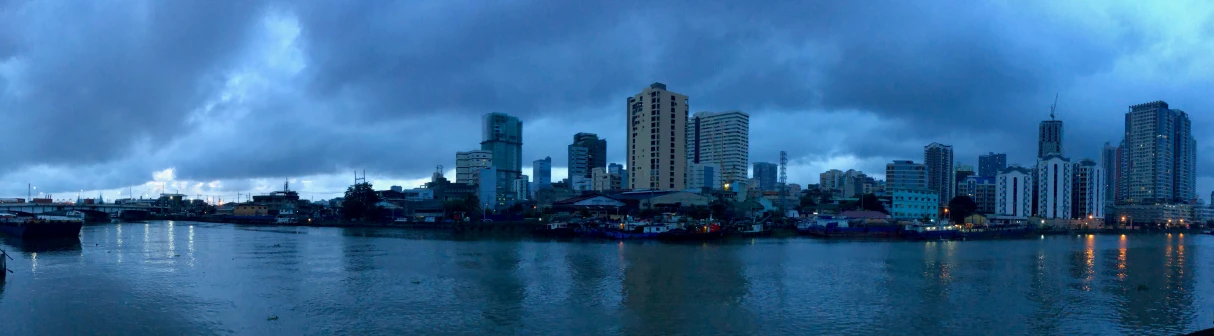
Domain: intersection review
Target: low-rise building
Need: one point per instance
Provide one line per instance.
(911, 204)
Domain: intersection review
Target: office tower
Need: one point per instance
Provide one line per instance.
(1054, 174)
(831, 180)
(991, 163)
(703, 175)
(502, 134)
(766, 173)
(1087, 191)
(1014, 192)
(1159, 155)
(722, 139)
(938, 159)
(586, 153)
(905, 174)
(982, 191)
(1109, 165)
(468, 163)
(487, 190)
(542, 170)
(657, 139)
(1049, 137)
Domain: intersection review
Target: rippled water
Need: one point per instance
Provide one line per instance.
(195, 278)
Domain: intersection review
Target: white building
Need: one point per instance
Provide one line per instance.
(522, 188)
(1088, 190)
(1014, 192)
(831, 180)
(1054, 183)
(721, 139)
(468, 163)
(604, 180)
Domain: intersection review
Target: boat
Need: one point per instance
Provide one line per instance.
(39, 226)
(754, 230)
(931, 232)
(693, 233)
(997, 231)
(636, 230)
(556, 229)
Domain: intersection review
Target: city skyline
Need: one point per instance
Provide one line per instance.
(346, 115)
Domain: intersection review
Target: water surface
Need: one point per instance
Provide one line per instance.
(177, 278)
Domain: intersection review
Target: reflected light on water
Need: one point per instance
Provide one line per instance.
(34, 262)
(172, 243)
(190, 245)
(1121, 270)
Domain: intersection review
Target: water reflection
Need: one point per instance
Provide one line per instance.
(660, 280)
(65, 246)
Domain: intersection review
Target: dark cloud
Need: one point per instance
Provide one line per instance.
(398, 86)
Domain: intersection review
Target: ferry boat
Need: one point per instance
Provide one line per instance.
(285, 216)
(39, 227)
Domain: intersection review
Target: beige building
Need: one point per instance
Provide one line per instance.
(657, 139)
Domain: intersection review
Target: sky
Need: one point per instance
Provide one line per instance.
(216, 98)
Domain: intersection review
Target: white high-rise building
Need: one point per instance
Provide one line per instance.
(1054, 183)
(468, 163)
(721, 139)
(1088, 191)
(657, 139)
(1014, 192)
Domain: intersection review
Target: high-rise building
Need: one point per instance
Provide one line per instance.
(1087, 191)
(831, 180)
(618, 169)
(487, 187)
(1108, 165)
(522, 187)
(468, 163)
(586, 153)
(1049, 138)
(960, 173)
(766, 173)
(542, 170)
(1054, 183)
(982, 191)
(1014, 192)
(1159, 156)
(990, 164)
(856, 182)
(657, 139)
(502, 134)
(722, 139)
(703, 175)
(938, 159)
(905, 174)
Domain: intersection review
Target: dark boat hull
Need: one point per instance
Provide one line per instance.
(690, 236)
(43, 229)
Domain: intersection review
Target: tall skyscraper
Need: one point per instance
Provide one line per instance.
(1087, 191)
(1054, 183)
(586, 153)
(1159, 155)
(721, 139)
(938, 159)
(542, 170)
(657, 139)
(766, 173)
(1014, 192)
(468, 163)
(990, 164)
(502, 134)
(1049, 138)
(1109, 165)
(905, 174)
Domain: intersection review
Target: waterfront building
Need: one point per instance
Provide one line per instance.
(913, 204)
(657, 139)
(938, 160)
(765, 173)
(831, 180)
(542, 171)
(1159, 154)
(1014, 192)
(1087, 191)
(1054, 183)
(467, 164)
(982, 190)
(720, 138)
(960, 174)
(604, 179)
(905, 174)
(991, 163)
(586, 153)
(502, 134)
(703, 175)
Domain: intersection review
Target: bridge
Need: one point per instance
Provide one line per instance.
(91, 210)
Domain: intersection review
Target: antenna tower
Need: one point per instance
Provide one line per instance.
(783, 178)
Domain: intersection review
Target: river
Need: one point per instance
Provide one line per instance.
(185, 278)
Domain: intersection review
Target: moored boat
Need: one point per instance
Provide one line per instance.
(693, 233)
(39, 227)
(556, 229)
(930, 232)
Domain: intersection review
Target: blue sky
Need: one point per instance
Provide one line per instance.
(218, 97)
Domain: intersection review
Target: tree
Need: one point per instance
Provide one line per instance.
(360, 202)
(870, 202)
(807, 201)
(961, 207)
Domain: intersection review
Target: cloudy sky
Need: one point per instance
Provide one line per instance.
(216, 98)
